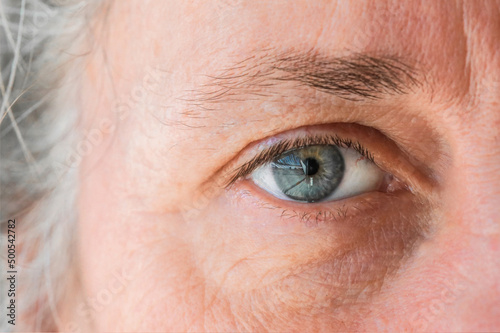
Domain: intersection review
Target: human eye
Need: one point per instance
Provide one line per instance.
(319, 169)
(325, 164)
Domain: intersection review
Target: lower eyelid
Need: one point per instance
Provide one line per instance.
(321, 212)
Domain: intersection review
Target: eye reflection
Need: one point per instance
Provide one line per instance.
(318, 173)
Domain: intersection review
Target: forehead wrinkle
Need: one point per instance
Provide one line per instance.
(353, 77)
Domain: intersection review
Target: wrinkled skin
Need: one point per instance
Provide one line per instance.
(163, 245)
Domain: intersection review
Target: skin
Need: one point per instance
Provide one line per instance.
(163, 245)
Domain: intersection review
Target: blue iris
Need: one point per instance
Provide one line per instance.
(309, 174)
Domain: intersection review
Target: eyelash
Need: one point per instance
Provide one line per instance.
(311, 218)
(269, 154)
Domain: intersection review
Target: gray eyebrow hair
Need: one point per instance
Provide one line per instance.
(354, 77)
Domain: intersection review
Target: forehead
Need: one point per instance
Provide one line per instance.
(451, 41)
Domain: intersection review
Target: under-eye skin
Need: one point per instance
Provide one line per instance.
(324, 191)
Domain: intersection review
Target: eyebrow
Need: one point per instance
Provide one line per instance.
(353, 77)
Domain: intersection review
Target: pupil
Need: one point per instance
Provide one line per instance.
(311, 166)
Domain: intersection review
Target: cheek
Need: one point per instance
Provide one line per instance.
(146, 281)
(208, 263)
(247, 249)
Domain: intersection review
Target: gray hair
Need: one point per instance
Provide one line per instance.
(38, 181)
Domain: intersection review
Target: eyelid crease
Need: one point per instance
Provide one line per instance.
(270, 153)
